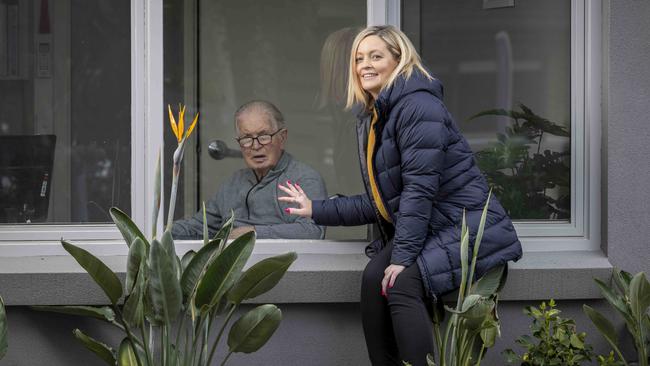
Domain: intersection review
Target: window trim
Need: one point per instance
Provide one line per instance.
(147, 136)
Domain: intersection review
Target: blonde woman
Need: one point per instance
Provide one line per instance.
(420, 174)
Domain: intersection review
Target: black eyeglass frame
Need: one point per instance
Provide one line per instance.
(257, 138)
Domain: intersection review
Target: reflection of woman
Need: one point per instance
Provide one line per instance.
(334, 65)
(420, 175)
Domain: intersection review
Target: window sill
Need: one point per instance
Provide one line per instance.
(325, 272)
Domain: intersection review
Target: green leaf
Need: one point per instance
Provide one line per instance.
(490, 283)
(464, 261)
(622, 280)
(129, 230)
(164, 284)
(196, 267)
(4, 344)
(133, 310)
(476, 314)
(478, 239)
(100, 349)
(206, 238)
(167, 242)
(430, 360)
(576, 342)
(224, 232)
(187, 258)
(261, 277)
(616, 301)
(99, 272)
(137, 254)
(639, 295)
(126, 354)
(156, 197)
(602, 324)
(254, 329)
(489, 332)
(224, 271)
(102, 313)
(510, 356)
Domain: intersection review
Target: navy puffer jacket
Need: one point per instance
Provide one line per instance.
(426, 175)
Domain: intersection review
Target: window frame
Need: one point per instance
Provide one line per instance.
(582, 233)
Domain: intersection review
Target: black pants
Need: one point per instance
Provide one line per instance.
(397, 327)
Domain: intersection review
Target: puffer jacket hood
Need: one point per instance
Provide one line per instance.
(402, 87)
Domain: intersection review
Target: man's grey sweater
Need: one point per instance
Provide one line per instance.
(256, 204)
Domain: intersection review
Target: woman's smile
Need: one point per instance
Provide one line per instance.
(374, 64)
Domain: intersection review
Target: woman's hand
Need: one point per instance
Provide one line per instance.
(297, 196)
(390, 274)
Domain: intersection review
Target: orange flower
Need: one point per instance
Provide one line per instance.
(178, 129)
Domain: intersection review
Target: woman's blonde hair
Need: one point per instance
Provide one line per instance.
(399, 46)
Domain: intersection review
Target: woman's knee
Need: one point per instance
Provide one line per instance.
(372, 274)
(407, 286)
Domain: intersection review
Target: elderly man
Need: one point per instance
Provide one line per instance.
(252, 193)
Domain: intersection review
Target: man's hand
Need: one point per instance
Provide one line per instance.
(239, 231)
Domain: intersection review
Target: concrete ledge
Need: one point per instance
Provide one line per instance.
(332, 276)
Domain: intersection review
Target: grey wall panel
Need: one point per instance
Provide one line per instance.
(627, 113)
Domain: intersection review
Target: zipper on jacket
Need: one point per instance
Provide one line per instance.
(364, 174)
(248, 210)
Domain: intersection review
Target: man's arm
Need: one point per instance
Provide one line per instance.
(192, 228)
(302, 227)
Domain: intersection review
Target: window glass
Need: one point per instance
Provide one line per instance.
(293, 53)
(493, 58)
(65, 110)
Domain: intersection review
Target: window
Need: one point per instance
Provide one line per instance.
(234, 51)
(73, 81)
(65, 113)
(524, 57)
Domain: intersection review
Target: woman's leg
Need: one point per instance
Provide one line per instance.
(409, 308)
(375, 315)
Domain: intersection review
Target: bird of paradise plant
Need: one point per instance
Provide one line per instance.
(181, 137)
(171, 304)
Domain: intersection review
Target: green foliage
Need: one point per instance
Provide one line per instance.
(473, 324)
(520, 173)
(609, 360)
(630, 297)
(170, 306)
(554, 340)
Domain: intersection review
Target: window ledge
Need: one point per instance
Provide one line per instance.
(325, 272)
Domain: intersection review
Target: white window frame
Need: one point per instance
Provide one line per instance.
(582, 233)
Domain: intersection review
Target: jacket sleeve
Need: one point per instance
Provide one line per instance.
(421, 138)
(192, 228)
(299, 227)
(345, 211)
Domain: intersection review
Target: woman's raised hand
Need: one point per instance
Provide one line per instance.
(297, 196)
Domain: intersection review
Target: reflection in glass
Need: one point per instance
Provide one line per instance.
(64, 110)
(236, 51)
(511, 65)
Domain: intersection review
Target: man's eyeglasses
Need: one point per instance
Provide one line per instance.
(261, 139)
